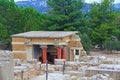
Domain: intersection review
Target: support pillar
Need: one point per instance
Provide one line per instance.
(64, 52)
(59, 52)
(44, 54)
(29, 52)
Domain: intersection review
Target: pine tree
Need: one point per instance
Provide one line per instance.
(102, 18)
(65, 14)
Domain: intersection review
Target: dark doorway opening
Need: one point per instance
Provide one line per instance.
(37, 52)
(51, 53)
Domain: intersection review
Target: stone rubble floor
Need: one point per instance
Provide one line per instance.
(35, 78)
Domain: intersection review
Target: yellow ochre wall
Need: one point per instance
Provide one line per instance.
(19, 46)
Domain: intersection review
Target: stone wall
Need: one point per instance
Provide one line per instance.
(6, 65)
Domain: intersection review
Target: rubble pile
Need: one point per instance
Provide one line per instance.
(97, 77)
(93, 69)
(26, 70)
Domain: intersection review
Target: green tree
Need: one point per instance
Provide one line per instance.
(32, 20)
(118, 25)
(111, 45)
(4, 31)
(14, 19)
(6, 12)
(65, 14)
(86, 42)
(102, 18)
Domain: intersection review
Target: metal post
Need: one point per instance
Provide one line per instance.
(40, 68)
(46, 70)
(98, 60)
(22, 72)
(64, 68)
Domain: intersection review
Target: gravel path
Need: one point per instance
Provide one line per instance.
(36, 78)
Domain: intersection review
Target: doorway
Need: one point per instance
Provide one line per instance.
(51, 53)
(37, 52)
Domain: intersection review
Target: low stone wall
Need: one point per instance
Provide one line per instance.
(26, 71)
(113, 73)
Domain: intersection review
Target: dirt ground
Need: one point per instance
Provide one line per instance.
(104, 53)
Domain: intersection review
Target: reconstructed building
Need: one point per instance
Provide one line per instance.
(46, 45)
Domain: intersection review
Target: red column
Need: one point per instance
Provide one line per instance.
(64, 52)
(44, 54)
(58, 52)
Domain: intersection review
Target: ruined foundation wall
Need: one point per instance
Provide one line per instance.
(6, 65)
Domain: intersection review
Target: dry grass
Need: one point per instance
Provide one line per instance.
(104, 53)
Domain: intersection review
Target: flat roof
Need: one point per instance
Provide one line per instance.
(45, 34)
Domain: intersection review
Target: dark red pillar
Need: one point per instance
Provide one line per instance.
(64, 52)
(58, 52)
(44, 54)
